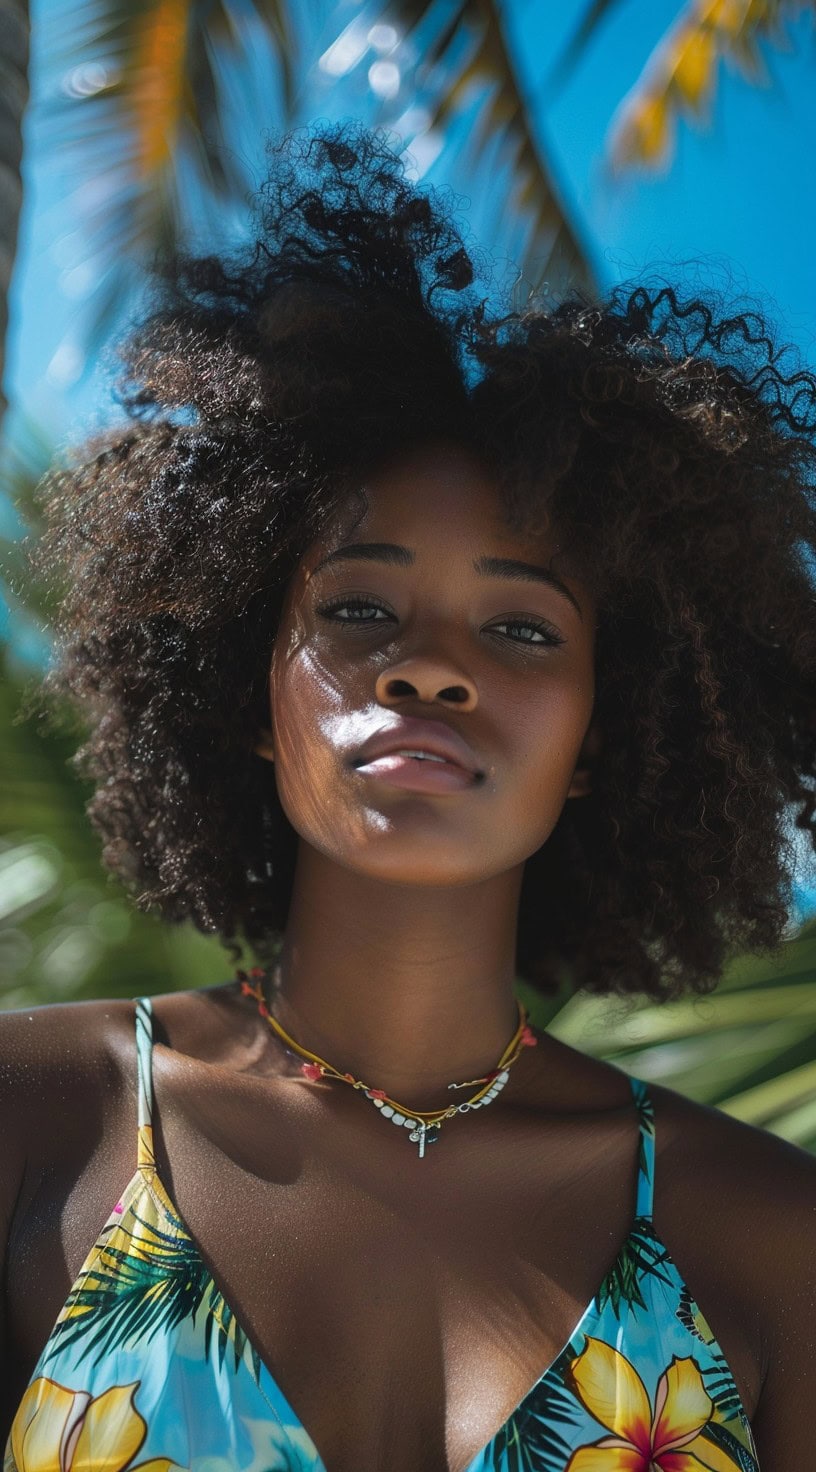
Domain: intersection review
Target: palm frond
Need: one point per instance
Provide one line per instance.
(680, 77)
(465, 54)
(147, 1277)
(725, 1441)
(749, 1048)
(642, 1255)
(140, 1282)
(587, 27)
(143, 119)
(223, 1325)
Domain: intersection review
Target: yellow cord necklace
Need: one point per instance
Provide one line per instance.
(423, 1128)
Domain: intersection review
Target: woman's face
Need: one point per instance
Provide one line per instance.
(412, 622)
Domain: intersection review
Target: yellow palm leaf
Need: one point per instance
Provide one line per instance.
(159, 83)
(693, 66)
(681, 72)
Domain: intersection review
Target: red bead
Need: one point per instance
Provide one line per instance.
(263, 1009)
(528, 1038)
(311, 1070)
(378, 1093)
(490, 1076)
(349, 1076)
(258, 972)
(248, 991)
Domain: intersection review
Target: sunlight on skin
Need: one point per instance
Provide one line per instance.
(331, 686)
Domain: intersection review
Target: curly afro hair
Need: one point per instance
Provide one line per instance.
(669, 444)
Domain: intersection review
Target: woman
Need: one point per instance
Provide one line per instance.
(421, 651)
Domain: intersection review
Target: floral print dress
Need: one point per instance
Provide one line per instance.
(148, 1370)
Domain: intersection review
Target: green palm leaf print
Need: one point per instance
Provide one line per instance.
(531, 1441)
(146, 1278)
(640, 1256)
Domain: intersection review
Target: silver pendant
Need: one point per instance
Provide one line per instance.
(418, 1137)
(424, 1134)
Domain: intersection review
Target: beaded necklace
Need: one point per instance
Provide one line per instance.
(423, 1128)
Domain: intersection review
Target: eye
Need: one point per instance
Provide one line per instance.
(360, 610)
(543, 634)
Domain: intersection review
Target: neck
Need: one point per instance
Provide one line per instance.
(409, 988)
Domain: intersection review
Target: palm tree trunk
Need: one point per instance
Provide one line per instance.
(14, 45)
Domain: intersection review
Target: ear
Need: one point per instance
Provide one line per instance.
(264, 745)
(591, 748)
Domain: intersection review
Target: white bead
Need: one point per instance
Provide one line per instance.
(396, 1118)
(410, 1124)
(387, 1110)
(491, 1093)
(378, 1102)
(503, 1077)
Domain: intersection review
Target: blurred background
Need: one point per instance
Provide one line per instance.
(586, 143)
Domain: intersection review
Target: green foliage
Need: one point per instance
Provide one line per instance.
(749, 1049)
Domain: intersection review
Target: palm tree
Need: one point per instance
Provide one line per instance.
(145, 109)
(14, 31)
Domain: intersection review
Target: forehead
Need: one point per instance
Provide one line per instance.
(437, 495)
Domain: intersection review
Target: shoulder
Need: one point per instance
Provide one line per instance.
(39, 1044)
(762, 1177)
(62, 1066)
(737, 1206)
(54, 1056)
(740, 1204)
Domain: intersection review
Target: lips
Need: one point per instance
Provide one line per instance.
(408, 734)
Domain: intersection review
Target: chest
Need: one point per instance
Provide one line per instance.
(403, 1307)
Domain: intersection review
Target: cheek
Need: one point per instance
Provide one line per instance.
(309, 711)
(548, 735)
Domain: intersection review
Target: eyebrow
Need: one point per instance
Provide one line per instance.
(485, 567)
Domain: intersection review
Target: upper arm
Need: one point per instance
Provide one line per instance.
(16, 1079)
(16, 1064)
(62, 1078)
(785, 1268)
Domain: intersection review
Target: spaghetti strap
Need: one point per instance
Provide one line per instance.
(646, 1149)
(145, 1158)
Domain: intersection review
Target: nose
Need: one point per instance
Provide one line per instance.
(425, 679)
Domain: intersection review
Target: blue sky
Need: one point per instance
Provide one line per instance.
(737, 209)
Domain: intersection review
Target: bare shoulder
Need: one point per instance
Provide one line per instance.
(71, 1062)
(44, 1047)
(59, 1066)
(700, 1147)
(737, 1207)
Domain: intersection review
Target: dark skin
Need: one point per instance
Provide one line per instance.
(406, 1306)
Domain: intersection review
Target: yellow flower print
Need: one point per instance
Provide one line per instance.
(60, 1430)
(664, 1439)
